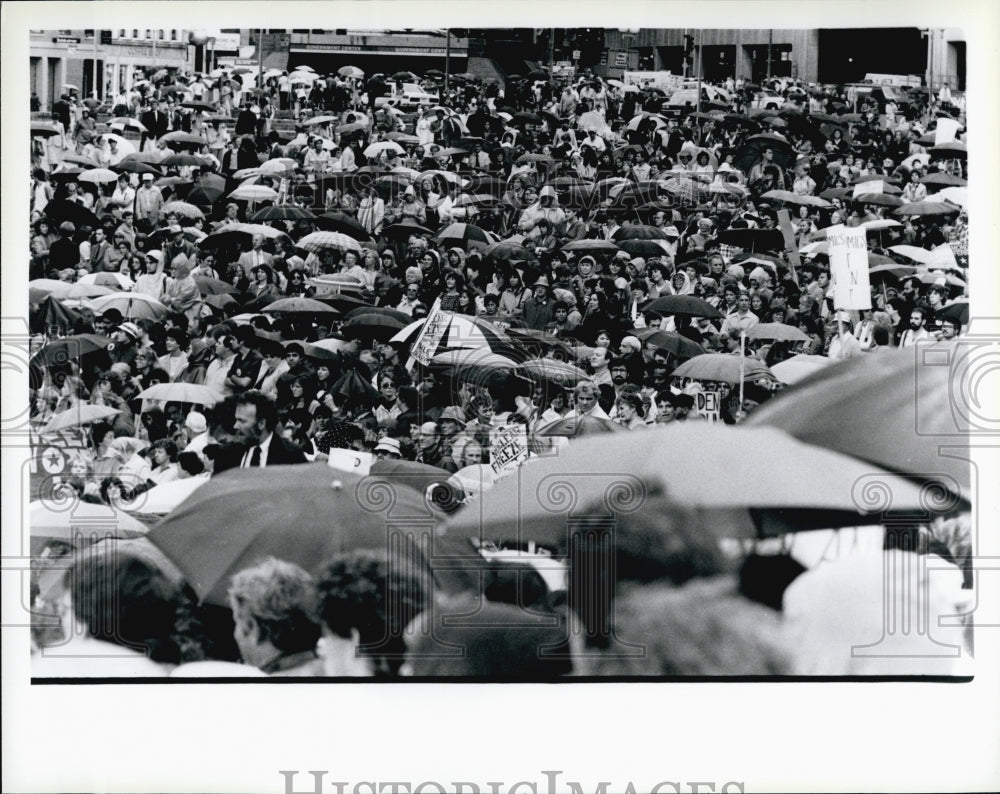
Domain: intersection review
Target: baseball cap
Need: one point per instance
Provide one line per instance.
(131, 329)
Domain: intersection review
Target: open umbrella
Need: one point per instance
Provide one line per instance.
(44, 129)
(477, 365)
(464, 236)
(71, 348)
(59, 211)
(576, 426)
(235, 234)
(298, 306)
(684, 304)
(507, 250)
(351, 72)
(432, 482)
(163, 498)
(180, 392)
(952, 150)
(638, 231)
(895, 410)
(753, 239)
(722, 367)
(342, 222)
(304, 514)
(754, 147)
(254, 193)
(213, 286)
(958, 311)
(647, 247)
(132, 305)
(182, 209)
(601, 246)
(777, 331)
(403, 230)
(76, 416)
(370, 325)
(183, 159)
(282, 212)
(879, 199)
(799, 367)
(81, 521)
(317, 241)
(788, 197)
(99, 176)
(679, 345)
(937, 179)
(560, 374)
(928, 208)
(404, 318)
(619, 480)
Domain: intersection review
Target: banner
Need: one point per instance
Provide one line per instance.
(349, 460)
(431, 334)
(665, 81)
(508, 448)
(849, 267)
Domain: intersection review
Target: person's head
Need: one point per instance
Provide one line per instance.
(426, 436)
(917, 318)
(743, 302)
(950, 328)
(273, 606)
(163, 451)
(255, 417)
(619, 372)
(364, 604)
(585, 396)
(122, 599)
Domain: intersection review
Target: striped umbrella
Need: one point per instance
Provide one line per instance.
(464, 236)
(342, 222)
(282, 212)
(317, 241)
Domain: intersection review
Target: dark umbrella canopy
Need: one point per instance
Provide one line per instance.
(60, 211)
(894, 410)
(684, 304)
(753, 149)
(341, 222)
(304, 514)
(754, 239)
(370, 325)
(575, 426)
(677, 344)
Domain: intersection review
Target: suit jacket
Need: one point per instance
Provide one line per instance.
(99, 257)
(246, 261)
(155, 124)
(282, 452)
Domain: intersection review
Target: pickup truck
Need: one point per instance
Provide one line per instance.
(406, 96)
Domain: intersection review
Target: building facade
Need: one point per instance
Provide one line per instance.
(101, 62)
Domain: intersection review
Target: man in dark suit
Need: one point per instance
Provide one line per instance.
(100, 251)
(256, 418)
(155, 122)
(246, 122)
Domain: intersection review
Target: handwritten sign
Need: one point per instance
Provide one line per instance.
(349, 460)
(426, 343)
(849, 267)
(707, 404)
(508, 447)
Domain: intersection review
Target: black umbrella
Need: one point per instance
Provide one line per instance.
(684, 304)
(401, 231)
(753, 149)
(342, 222)
(60, 211)
(754, 239)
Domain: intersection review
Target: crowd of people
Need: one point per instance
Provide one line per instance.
(264, 255)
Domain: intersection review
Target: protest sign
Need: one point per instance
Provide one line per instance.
(946, 130)
(508, 447)
(707, 404)
(872, 186)
(849, 267)
(349, 460)
(426, 343)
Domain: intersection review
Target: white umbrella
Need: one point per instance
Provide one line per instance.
(98, 176)
(132, 305)
(125, 146)
(123, 281)
(956, 195)
(383, 146)
(163, 498)
(254, 193)
(794, 369)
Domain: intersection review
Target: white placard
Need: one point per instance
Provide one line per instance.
(435, 325)
(508, 447)
(946, 130)
(349, 460)
(849, 267)
(874, 186)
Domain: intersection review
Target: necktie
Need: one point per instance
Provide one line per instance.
(255, 457)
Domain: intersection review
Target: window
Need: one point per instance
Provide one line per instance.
(173, 35)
